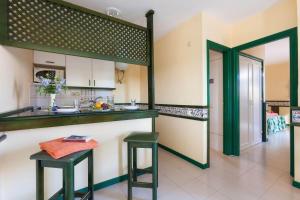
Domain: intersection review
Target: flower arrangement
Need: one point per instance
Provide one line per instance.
(49, 86)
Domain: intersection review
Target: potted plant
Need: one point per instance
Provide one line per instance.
(51, 87)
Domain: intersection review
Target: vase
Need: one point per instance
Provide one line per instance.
(52, 105)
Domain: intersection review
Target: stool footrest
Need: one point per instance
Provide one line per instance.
(57, 195)
(144, 171)
(142, 184)
(83, 196)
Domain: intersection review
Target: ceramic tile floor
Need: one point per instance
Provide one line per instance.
(260, 173)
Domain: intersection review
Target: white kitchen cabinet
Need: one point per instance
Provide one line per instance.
(46, 58)
(103, 72)
(79, 71)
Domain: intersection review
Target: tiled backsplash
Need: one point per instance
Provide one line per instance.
(66, 98)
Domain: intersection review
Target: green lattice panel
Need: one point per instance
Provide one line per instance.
(46, 23)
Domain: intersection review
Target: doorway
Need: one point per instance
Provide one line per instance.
(291, 35)
(224, 111)
(216, 100)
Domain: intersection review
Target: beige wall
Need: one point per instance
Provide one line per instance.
(134, 85)
(179, 79)
(279, 17)
(180, 63)
(277, 82)
(215, 30)
(258, 52)
(15, 77)
(178, 72)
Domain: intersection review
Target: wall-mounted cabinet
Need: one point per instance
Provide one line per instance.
(45, 58)
(78, 71)
(86, 72)
(103, 73)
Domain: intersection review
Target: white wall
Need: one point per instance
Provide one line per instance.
(15, 77)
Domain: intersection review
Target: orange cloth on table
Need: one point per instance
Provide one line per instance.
(58, 148)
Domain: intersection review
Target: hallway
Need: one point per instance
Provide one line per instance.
(262, 172)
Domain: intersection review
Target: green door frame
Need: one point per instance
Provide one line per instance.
(227, 98)
(293, 37)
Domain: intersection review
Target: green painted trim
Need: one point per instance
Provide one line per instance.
(227, 97)
(107, 183)
(3, 20)
(267, 39)
(296, 184)
(45, 121)
(190, 160)
(185, 117)
(292, 34)
(4, 39)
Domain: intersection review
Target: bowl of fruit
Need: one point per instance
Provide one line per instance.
(101, 106)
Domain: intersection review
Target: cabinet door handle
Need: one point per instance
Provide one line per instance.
(50, 62)
(89, 82)
(94, 82)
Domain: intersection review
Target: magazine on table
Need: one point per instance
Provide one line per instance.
(77, 138)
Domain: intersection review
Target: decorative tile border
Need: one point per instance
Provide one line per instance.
(184, 111)
(295, 112)
(142, 106)
(278, 103)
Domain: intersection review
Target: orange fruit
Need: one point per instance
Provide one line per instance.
(98, 105)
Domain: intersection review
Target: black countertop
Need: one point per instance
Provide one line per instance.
(36, 113)
(28, 118)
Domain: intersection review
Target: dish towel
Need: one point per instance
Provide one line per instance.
(58, 148)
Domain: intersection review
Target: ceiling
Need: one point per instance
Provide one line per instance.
(169, 13)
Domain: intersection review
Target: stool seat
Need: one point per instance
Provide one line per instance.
(145, 137)
(44, 156)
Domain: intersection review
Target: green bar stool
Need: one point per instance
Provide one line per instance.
(142, 140)
(67, 164)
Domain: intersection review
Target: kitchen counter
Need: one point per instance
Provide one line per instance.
(29, 118)
(26, 130)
